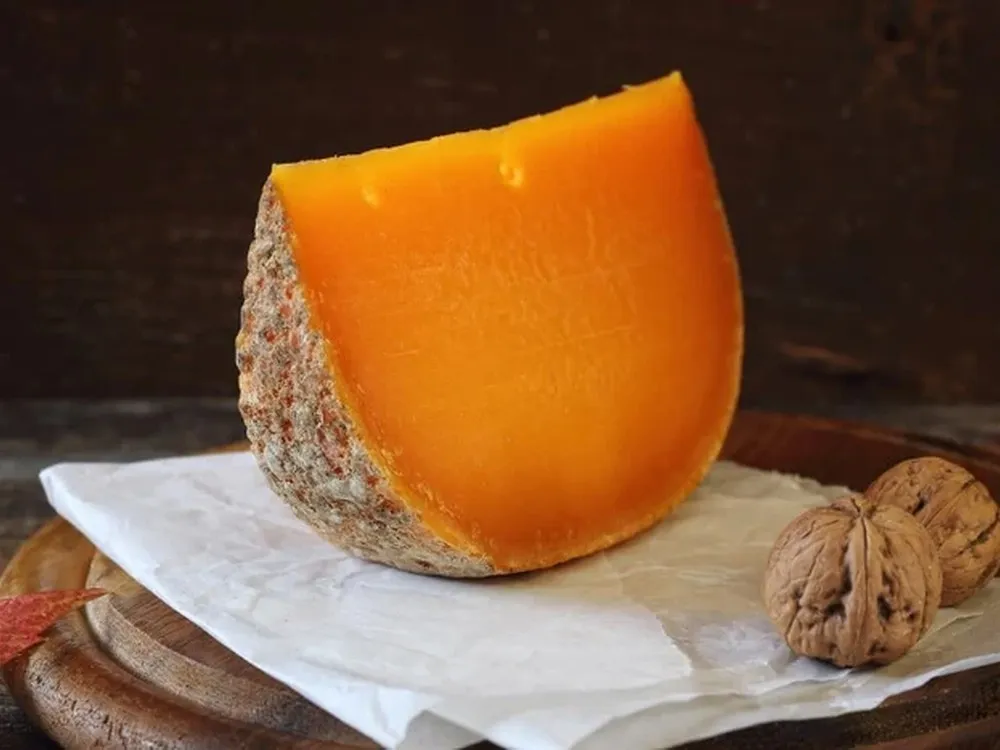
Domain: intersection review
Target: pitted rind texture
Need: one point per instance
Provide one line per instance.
(303, 437)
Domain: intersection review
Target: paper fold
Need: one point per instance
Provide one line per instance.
(657, 642)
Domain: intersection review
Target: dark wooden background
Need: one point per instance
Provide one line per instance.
(857, 143)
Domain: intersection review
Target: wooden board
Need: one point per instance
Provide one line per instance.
(129, 672)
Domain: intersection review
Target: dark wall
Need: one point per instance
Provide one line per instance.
(857, 144)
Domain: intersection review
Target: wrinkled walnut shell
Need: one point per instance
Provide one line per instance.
(853, 582)
(957, 510)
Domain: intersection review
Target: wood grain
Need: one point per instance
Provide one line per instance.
(127, 670)
(34, 434)
(140, 634)
(855, 145)
(76, 691)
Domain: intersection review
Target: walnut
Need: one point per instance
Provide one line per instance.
(958, 511)
(853, 582)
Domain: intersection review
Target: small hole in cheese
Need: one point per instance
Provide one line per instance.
(511, 174)
(371, 196)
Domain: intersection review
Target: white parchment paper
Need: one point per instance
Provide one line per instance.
(657, 642)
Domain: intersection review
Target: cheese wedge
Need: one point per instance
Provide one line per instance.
(498, 350)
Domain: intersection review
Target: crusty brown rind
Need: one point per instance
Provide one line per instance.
(303, 437)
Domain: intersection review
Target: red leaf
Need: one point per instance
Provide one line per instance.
(24, 618)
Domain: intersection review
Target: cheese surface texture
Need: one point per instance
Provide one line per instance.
(498, 350)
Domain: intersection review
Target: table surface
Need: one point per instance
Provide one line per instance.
(34, 434)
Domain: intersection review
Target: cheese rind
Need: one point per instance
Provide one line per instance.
(495, 351)
(303, 436)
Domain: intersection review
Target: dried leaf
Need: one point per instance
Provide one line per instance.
(24, 618)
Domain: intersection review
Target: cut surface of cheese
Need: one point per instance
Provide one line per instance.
(498, 350)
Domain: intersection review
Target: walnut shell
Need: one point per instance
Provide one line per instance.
(958, 511)
(853, 582)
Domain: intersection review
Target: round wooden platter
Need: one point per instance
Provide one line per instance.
(128, 672)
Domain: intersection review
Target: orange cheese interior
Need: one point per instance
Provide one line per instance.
(537, 328)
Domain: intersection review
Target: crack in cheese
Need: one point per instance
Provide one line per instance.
(498, 350)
